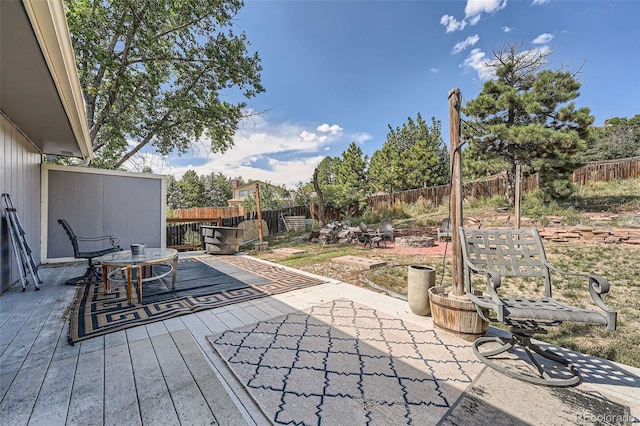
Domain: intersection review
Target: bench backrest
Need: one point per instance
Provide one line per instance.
(509, 252)
(71, 235)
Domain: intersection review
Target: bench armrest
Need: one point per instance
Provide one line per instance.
(493, 283)
(112, 240)
(597, 287)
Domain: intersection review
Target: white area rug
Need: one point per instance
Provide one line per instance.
(344, 363)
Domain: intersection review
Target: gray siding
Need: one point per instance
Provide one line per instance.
(96, 203)
(20, 178)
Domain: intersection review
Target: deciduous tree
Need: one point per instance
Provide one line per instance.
(155, 72)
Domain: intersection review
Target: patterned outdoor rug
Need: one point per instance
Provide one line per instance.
(202, 283)
(344, 363)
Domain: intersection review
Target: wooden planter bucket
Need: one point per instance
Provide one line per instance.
(457, 316)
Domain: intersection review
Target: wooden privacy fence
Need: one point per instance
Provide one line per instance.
(605, 171)
(207, 212)
(494, 185)
(184, 234)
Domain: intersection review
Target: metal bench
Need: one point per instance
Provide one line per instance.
(497, 254)
(91, 275)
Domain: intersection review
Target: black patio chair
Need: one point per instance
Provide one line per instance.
(370, 236)
(502, 253)
(91, 275)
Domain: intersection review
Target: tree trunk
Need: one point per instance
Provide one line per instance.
(510, 184)
(316, 186)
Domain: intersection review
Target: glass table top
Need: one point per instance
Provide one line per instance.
(124, 258)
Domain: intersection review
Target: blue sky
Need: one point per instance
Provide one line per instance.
(337, 72)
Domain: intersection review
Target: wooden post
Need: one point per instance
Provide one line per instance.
(518, 194)
(259, 212)
(455, 99)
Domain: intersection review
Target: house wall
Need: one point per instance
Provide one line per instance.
(20, 178)
(95, 202)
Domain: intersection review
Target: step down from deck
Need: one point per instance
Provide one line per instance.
(288, 251)
(360, 261)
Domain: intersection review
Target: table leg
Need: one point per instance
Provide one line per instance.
(174, 273)
(139, 275)
(105, 278)
(129, 285)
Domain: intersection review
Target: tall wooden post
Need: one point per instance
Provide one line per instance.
(518, 195)
(455, 100)
(259, 211)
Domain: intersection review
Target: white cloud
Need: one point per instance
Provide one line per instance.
(538, 2)
(477, 61)
(361, 137)
(468, 42)
(473, 12)
(309, 137)
(474, 20)
(543, 39)
(282, 153)
(333, 130)
(452, 23)
(477, 7)
(434, 70)
(507, 29)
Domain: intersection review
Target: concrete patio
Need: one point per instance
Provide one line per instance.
(168, 372)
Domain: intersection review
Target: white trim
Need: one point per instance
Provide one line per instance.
(79, 169)
(49, 25)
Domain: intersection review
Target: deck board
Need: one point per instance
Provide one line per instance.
(120, 396)
(190, 405)
(219, 401)
(86, 403)
(156, 406)
(53, 400)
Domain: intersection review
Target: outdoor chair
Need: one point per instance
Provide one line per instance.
(445, 229)
(370, 236)
(500, 254)
(91, 274)
(386, 229)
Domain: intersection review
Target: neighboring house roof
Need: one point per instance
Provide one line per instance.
(252, 186)
(38, 77)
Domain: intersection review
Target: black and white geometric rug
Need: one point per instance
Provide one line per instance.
(344, 363)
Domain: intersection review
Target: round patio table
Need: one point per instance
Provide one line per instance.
(124, 261)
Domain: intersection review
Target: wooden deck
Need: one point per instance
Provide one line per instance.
(164, 373)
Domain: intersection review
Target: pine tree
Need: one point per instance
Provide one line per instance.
(351, 177)
(217, 189)
(527, 116)
(174, 194)
(192, 190)
(414, 155)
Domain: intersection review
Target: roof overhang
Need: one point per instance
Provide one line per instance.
(39, 87)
